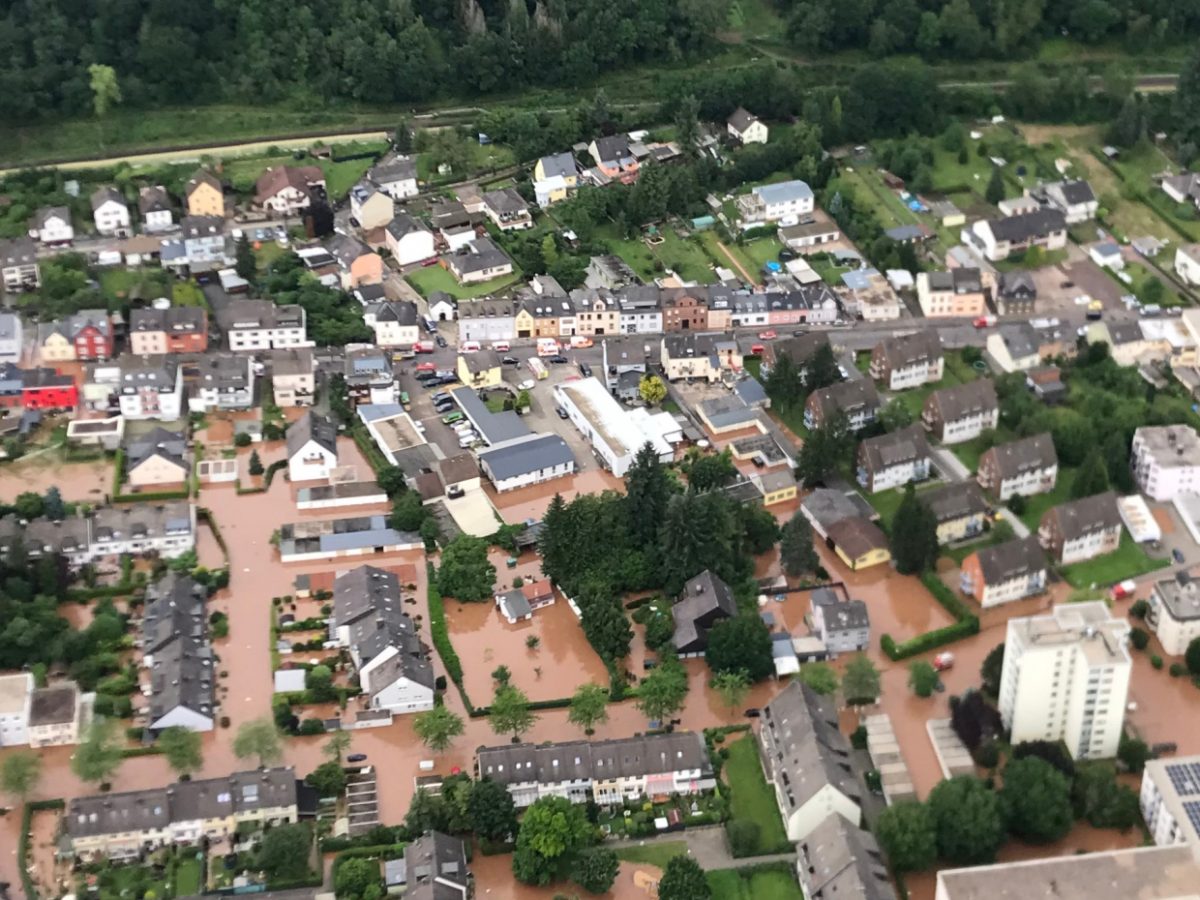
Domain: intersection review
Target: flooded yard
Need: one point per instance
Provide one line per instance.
(76, 481)
(494, 880)
(531, 502)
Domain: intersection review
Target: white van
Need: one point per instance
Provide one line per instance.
(501, 346)
(468, 440)
(470, 347)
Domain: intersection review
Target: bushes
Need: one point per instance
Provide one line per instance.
(441, 640)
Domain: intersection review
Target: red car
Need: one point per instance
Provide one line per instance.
(767, 335)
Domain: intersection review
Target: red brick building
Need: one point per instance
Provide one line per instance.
(47, 389)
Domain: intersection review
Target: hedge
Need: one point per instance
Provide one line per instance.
(966, 624)
(366, 444)
(31, 806)
(378, 851)
(441, 639)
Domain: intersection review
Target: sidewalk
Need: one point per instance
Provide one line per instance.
(707, 846)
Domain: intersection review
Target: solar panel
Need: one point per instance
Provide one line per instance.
(1192, 809)
(1185, 778)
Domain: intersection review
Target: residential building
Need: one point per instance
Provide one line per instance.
(892, 460)
(154, 206)
(998, 239)
(839, 860)
(369, 376)
(19, 266)
(12, 379)
(1166, 461)
(253, 325)
(168, 529)
(327, 539)
(288, 190)
(610, 272)
(122, 825)
(1024, 467)
(157, 458)
(1081, 529)
(150, 387)
(435, 868)
(1187, 263)
(396, 177)
(641, 310)
(956, 293)
(488, 320)
(1016, 294)
(1170, 801)
(605, 772)
(1149, 873)
(859, 543)
(394, 323)
(312, 447)
(960, 510)
(519, 604)
(1175, 612)
(453, 224)
(775, 203)
(177, 651)
(532, 460)
(613, 159)
(408, 240)
(110, 212)
(1015, 348)
(204, 195)
(810, 234)
(844, 626)
(176, 329)
(480, 369)
(596, 313)
(58, 714)
(51, 226)
(699, 356)
(293, 377)
(85, 336)
(800, 349)
(1074, 199)
(47, 389)
(1004, 572)
(684, 310)
(359, 264)
(963, 412)
(704, 601)
(477, 261)
(824, 507)
(908, 361)
(14, 709)
(807, 761)
(371, 206)
(555, 178)
(1107, 254)
(11, 345)
(204, 242)
(1066, 678)
(746, 128)
(223, 382)
(507, 210)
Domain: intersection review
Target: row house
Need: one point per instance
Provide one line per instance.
(12, 378)
(699, 356)
(908, 361)
(204, 195)
(150, 387)
(1004, 573)
(998, 239)
(154, 206)
(223, 382)
(596, 313)
(251, 325)
(1022, 467)
(177, 652)
(19, 265)
(749, 310)
(893, 460)
(957, 293)
(684, 310)
(960, 510)
(541, 316)
(293, 377)
(811, 304)
(1082, 529)
(51, 226)
(177, 329)
(641, 312)
(124, 825)
(87, 335)
(110, 212)
(604, 772)
(857, 400)
(167, 529)
(394, 323)
(489, 320)
(963, 412)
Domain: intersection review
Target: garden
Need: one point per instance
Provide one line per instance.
(754, 826)
(429, 279)
(166, 873)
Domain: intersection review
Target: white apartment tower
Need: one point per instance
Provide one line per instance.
(1166, 461)
(1066, 677)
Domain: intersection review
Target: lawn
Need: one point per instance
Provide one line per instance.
(244, 171)
(762, 251)
(187, 877)
(129, 284)
(1037, 505)
(434, 278)
(885, 503)
(752, 800)
(969, 452)
(792, 417)
(869, 189)
(1127, 561)
(769, 884)
(830, 271)
(653, 854)
(685, 257)
(1141, 275)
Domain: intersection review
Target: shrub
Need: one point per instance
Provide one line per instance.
(241, 440)
(1156, 661)
(1177, 670)
(988, 755)
(1139, 609)
(743, 837)
(1139, 637)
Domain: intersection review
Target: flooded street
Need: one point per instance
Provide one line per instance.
(531, 502)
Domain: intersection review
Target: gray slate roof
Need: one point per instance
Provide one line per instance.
(963, 400)
(949, 502)
(893, 449)
(1024, 455)
(315, 427)
(1087, 515)
(843, 863)
(650, 754)
(1012, 559)
(514, 458)
(1024, 226)
(803, 727)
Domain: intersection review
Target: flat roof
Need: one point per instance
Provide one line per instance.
(608, 420)
(494, 428)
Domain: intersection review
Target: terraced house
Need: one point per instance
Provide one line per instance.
(963, 412)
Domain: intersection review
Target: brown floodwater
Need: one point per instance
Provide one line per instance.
(494, 880)
(531, 502)
(76, 481)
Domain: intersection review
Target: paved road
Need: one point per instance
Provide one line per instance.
(707, 846)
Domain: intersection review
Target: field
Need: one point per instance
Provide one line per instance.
(1128, 561)
(752, 799)
(658, 853)
(243, 172)
(770, 884)
(434, 278)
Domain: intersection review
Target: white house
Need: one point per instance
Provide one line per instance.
(396, 177)
(312, 447)
(527, 460)
(893, 460)
(289, 190)
(776, 202)
(204, 241)
(154, 206)
(1074, 199)
(998, 239)
(1175, 612)
(1166, 461)
(1004, 572)
(51, 226)
(252, 325)
(1026, 466)
(1187, 263)
(399, 680)
(150, 387)
(409, 241)
(908, 361)
(1107, 254)
(110, 212)
(14, 709)
(394, 323)
(746, 127)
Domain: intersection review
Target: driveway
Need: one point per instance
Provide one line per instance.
(707, 846)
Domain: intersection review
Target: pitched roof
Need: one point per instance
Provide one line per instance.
(973, 398)
(857, 536)
(1023, 455)
(559, 164)
(899, 447)
(17, 252)
(906, 350)
(704, 595)
(799, 348)
(1086, 516)
(802, 728)
(846, 396)
(783, 192)
(843, 862)
(1017, 281)
(481, 253)
(1020, 340)
(505, 201)
(740, 119)
(157, 442)
(153, 199)
(1012, 559)
(105, 194)
(431, 860)
(650, 754)
(314, 427)
(400, 168)
(203, 177)
(1024, 226)
(173, 319)
(612, 148)
(515, 458)
(838, 614)
(276, 178)
(403, 224)
(1076, 192)
(949, 502)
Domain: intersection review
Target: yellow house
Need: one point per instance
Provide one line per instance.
(859, 543)
(555, 177)
(778, 487)
(204, 194)
(480, 369)
(523, 323)
(53, 345)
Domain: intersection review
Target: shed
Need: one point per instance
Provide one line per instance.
(289, 681)
(703, 223)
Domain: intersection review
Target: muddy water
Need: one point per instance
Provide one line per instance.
(85, 481)
(531, 502)
(494, 880)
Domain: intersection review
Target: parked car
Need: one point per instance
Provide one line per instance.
(454, 492)
(562, 413)
(558, 359)
(1177, 555)
(753, 712)
(440, 341)
(451, 418)
(585, 370)
(511, 361)
(356, 757)
(440, 396)
(767, 335)
(527, 385)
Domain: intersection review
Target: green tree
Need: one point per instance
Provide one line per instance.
(1091, 477)
(328, 779)
(595, 870)
(260, 738)
(182, 748)
(466, 574)
(589, 707)
(683, 879)
(1191, 656)
(106, 91)
(284, 851)
(319, 684)
(823, 451)
(821, 369)
(437, 728)
(54, 508)
(741, 644)
(731, 687)
(19, 774)
(246, 265)
(1036, 799)
(914, 535)
(337, 745)
(992, 670)
(687, 122)
(549, 250)
(604, 622)
(408, 512)
(552, 829)
(797, 552)
(907, 834)
(922, 678)
(98, 757)
(895, 415)
(1187, 102)
(820, 678)
(255, 467)
(710, 471)
(492, 812)
(1097, 797)
(995, 191)
(428, 812)
(784, 384)
(402, 137)
(648, 489)
(355, 877)
(662, 692)
(968, 820)
(860, 681)
(510, 711)
(1133, 753)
